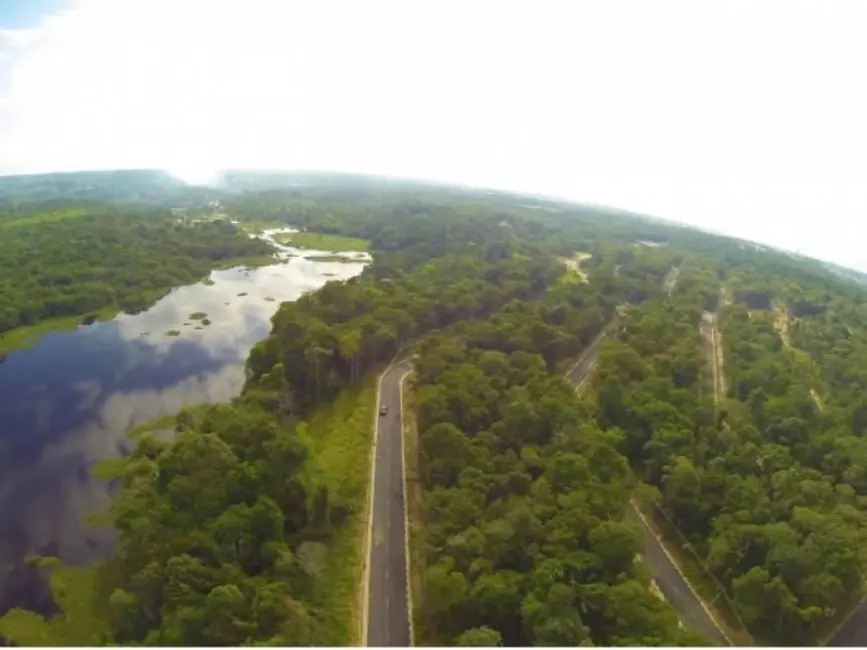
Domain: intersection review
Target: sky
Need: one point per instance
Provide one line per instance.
(747, 118)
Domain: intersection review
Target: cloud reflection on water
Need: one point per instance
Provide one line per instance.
(69, 400)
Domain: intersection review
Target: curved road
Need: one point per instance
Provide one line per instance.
(386, 599)
(670, 581)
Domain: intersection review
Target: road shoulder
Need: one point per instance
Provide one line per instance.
(413, 503)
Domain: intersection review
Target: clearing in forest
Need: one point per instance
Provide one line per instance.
(670, 280)
(573, 264)
(322, 242)
(817, 400)
(713, 349)
(781, 324)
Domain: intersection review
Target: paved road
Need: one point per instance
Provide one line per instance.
(676, 590)
(387, 608)
(853, 633)
(667, 577)
(585, 363)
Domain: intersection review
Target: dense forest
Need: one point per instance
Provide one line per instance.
(526, 538)
(78, 258)
(726, 399)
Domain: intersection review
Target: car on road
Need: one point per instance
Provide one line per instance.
(383, 410)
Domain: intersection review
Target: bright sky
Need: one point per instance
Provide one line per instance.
(741, 116)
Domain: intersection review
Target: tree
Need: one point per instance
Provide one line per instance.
(482, 637)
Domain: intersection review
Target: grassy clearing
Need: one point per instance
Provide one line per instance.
(331, 258)
(323, 242)
(26, 336)
(340, 435)
(415, 511)
(574, 273)
(79, 623)
(165, 422)
(258, 225)
(43, 217)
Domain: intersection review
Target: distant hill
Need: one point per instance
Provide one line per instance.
(153, 187)
(160, 188)
(844, 273)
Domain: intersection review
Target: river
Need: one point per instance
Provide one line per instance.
(68, 401)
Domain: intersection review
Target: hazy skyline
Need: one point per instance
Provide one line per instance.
(747, 118)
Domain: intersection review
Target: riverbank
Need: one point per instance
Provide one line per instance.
(322, 242)
(26, 336)
(103, 386)
(338, 437)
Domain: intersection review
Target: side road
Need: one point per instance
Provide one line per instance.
(386, 616)
(386, 605)
(671, 582)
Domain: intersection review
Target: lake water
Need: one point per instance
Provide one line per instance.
(68, 401)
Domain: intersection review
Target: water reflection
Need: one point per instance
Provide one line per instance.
(68, 401)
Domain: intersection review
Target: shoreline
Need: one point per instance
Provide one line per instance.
(25, 337)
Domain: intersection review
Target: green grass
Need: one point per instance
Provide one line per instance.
(173, 333)
(197, 315)
(44, 217)
(26, 336)
(79, 623)
(165, 422)
(340, 436)
(323, 242)
(258, 225)
(415, 514)
(331, 258)
(574, 276)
